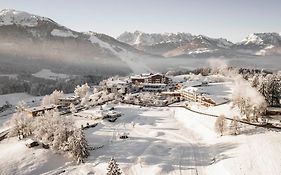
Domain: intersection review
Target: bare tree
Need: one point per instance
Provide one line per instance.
(52, 98)
(20, 125)
(72, 108)
(220, 125)
(234, 126)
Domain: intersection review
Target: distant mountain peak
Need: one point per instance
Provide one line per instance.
(15, 17)
(261, 38)
(173, 44)
(141, 38)
(252, 39)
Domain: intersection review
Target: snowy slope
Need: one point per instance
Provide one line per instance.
(131, 58)
(17, 159)
(50, 41)
(11, 16)
(61, 33)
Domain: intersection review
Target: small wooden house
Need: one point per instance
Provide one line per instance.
(150, 79)
(35, 111)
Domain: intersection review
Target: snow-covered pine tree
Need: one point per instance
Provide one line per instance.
(275, 90)
(78, 146)
(52, 98)
(113, 168)
(20, 125)
(46, 100)
(86, 100)
(81, 91)
(53, 130)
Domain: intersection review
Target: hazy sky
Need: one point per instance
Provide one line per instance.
(232, 19)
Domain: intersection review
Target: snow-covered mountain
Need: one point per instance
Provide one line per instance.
(188, 45)
(178, 44)
(140, 38)
(202, 46)
(155, 43)
(261, 44)
(11, 16)
(26, 36)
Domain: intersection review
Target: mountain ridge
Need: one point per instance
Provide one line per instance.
(39, 38)
(200, 45)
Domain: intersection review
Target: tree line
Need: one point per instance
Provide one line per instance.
(39, 87)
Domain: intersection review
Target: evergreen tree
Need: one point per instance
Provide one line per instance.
(113, 168)
(270, 88)
(78, 146)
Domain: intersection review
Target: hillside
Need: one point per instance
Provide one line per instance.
(30, 43)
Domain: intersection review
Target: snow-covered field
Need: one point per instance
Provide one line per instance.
(16, 158)
(162, 140)
(48, 74)
(178, 141)
(16, 97)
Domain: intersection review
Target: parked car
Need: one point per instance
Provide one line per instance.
(31, 143)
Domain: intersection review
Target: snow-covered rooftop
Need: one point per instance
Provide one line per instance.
(145, 75)
(41, 108)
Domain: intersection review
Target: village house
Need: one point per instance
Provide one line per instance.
(150, 79)
(151, 82)
(118, 86)
(36, 111)
(174, 94)
(194, 94)
(66, 101)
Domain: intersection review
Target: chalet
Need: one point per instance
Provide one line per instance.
(174, 94)
(190, 93)
(36, 111)
(65, 102)
(118, 86)
(150, 79)
(196, 95)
